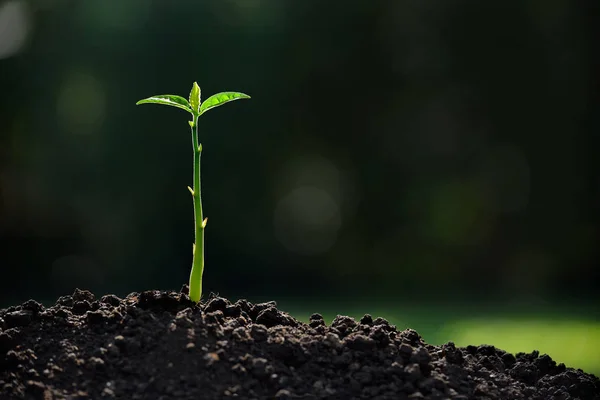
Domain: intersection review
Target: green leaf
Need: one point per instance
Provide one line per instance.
(167, 100)
(219, 99)
(195, 98)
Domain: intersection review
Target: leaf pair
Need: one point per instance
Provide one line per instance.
(194, 106)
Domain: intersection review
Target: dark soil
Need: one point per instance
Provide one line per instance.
(158, 345)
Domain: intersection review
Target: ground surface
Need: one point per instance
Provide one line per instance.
(159, 345)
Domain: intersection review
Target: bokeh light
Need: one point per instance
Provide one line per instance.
(81, 104)
(15, 27)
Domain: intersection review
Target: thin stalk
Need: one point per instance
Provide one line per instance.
(199, 222)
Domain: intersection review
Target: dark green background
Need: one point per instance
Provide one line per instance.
(393, 152)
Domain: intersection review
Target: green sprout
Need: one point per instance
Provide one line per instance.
(195, 107)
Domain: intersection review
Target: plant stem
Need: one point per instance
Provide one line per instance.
(199, 222)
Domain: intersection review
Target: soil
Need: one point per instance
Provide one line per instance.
(159, 345)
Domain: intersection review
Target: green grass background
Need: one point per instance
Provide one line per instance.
(568, 336)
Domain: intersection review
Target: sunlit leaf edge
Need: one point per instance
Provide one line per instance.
(167, 100)
(216, 100)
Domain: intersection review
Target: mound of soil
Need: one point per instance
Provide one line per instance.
(159, 345)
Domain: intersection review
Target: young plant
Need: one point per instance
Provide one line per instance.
(196, 108)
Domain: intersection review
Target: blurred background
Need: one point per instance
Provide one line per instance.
(431, 162)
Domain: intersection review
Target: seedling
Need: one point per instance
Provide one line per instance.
(196, 107)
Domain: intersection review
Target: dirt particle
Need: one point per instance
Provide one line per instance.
(17, 319)
(100, 352)
(119, 340)
(260, 367)
(420, 356)
(36, 389)
(486, 350)
(410, 336)
(33, 306)
(214, 317)
(113, 350)
(232, 310)
(183, 318)
(492, 363)
(257, 308)
(95, 317)
(270, 317)
(63, 313)
(316, 317)
(343, 324)
(216, 304)
(81, 306)
(316, 320)
(526, 373)
(259, 333)
(381, 321)
(162, 300)
(545, 364)
(413, 372)
(406, 350)
(367, 319)
(83, 295)
(239, 369)
(359, 342)
(211, 358)
(332, 340)
(66, 301)
(244, 305)
(380, 335)
(396, 368)
(452, 354)
(284, 394)
(95, 362)
(185, 289)
(241, 334)
(111, 300)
